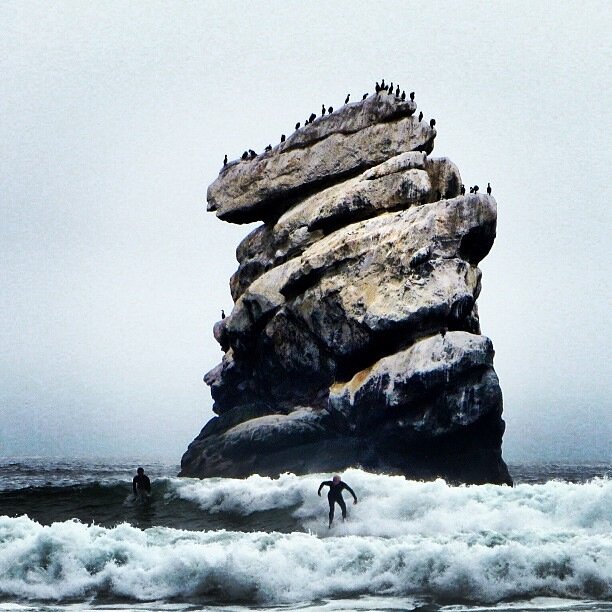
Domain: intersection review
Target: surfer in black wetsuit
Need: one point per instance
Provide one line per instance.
(141, 485)
(335, 496)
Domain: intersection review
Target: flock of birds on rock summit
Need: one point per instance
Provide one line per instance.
(475, 189)
(379, 88)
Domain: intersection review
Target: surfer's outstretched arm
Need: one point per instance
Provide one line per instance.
(323, 484)
(350, 491)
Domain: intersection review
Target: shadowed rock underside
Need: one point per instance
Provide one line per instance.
(354, 339)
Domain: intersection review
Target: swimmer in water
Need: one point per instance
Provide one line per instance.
(334, 496)
(141, 485)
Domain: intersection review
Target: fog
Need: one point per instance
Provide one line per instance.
(114, 118)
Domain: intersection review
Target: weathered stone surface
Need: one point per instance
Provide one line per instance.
(403, 181)
(351, 118)
(266, 445)
(410, 412)
(402, 386)
(372, 263)
(265, 187)
(354, 337)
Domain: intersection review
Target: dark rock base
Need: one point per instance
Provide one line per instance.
(457, 458)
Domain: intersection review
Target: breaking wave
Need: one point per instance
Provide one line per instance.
(479, 544)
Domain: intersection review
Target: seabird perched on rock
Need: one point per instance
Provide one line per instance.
(476, 188)
(222, 314)
(282, 138)
(471, 190)
(378, 87)
(412, 95)
(432, 122)
(488, 188)
(269, 147)
(245, 155)
(365, 95)
(391, 88)
(252, 154)
(297, 125)
(397, 92)
(462, 189)
(330, 110)
(312, 117)
(421, 116)
(382, 84)
(225, 160)
(322, 109)
(403, 95)
(348, 95)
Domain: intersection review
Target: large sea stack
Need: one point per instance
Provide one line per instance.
(354, 339)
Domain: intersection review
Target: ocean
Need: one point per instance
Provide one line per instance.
(72, 539)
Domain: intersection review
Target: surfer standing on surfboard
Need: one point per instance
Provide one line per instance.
(335, 496)
(141, 485)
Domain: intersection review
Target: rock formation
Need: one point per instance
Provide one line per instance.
(354, 337)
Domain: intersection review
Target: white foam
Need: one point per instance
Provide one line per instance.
(391, 505)
(474, 543)
(253, 494)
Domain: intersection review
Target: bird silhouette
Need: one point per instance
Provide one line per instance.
(269, 147)
(462, 189)
(330, 110)
(488, 188)
(252, 154)
(476, 188)
(397, 92)
(421, 116)
(282, 138)
(322, 109)
(365, 95)
(382, 84)
(225, 160)
(312, 117)
(222, 314)
(346, 100)
(297, 125)
(403, 95)
(432, 122)
(412, 95)
(245, 155)
(378, 87)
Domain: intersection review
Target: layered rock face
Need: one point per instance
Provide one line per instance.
(354, 339)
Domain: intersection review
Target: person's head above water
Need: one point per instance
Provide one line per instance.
(336, 479)
(140, 471)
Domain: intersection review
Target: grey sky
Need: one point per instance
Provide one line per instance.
(115, 116)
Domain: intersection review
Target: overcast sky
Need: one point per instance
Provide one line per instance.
(115, 116)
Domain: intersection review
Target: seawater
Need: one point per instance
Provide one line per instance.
(71, 538)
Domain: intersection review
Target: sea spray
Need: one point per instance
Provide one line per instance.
(471, 543)
(391, 505)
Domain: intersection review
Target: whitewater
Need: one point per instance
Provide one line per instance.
(406, 545)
